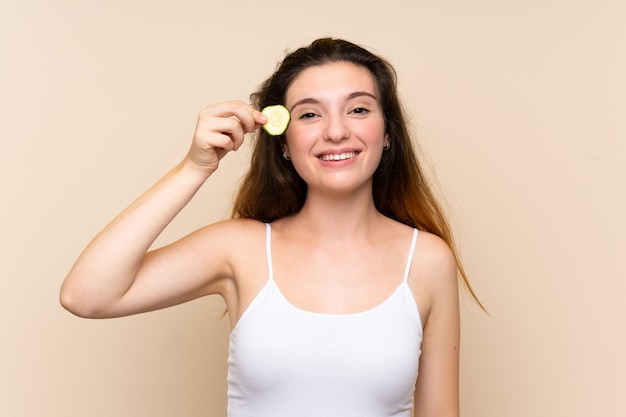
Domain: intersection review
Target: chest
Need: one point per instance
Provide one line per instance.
(345, 281)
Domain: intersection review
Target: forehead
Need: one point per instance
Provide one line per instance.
(331, 79)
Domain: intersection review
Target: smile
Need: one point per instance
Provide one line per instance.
(338, 156)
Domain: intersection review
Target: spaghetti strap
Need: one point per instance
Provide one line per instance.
(409, 260)
(268, 251)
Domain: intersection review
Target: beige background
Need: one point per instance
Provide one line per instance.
(520, 108)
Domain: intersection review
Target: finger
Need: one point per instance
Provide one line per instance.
(248, 117)
(260, 118)
(220, 132)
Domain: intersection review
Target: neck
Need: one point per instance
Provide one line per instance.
(338, 218)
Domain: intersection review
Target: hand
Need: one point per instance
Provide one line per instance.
(220, 129)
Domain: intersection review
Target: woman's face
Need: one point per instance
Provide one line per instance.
(337, 131)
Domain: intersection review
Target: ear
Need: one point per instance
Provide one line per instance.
(386, 140)
(285, 150)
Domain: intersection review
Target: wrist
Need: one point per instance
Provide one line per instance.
(189, 167)
(187, 176)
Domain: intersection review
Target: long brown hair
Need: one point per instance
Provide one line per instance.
(272, 188)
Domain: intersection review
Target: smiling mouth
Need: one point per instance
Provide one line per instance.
(338, 156)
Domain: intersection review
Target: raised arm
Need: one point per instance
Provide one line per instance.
(115, 276)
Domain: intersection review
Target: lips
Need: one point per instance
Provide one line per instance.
(338, 156)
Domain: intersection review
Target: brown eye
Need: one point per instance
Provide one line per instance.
(360, 110)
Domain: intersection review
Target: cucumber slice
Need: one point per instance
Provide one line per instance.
(278, 118)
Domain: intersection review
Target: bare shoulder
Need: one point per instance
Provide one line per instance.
(433, 254)
(434, 274)
(219, 248)
(237, 226)
(242, 244)
(232, 233)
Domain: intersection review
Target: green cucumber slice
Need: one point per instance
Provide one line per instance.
(278, 118)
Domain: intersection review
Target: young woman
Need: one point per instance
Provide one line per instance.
(337, 268)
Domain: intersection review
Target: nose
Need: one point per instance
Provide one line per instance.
(336, 128)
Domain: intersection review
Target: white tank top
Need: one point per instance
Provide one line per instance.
(287, 362)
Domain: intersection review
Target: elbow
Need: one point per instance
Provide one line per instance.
(76, 304)
(70, 303)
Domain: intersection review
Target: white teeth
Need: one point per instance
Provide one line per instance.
(338, 156)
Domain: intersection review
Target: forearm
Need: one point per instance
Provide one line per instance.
(109, 264)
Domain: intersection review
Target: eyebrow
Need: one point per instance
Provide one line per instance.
(310, 100)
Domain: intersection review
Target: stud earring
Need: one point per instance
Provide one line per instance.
(286, 156)
(387, 146)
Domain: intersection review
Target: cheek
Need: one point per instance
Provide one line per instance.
(373, 133)
(298, 139)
